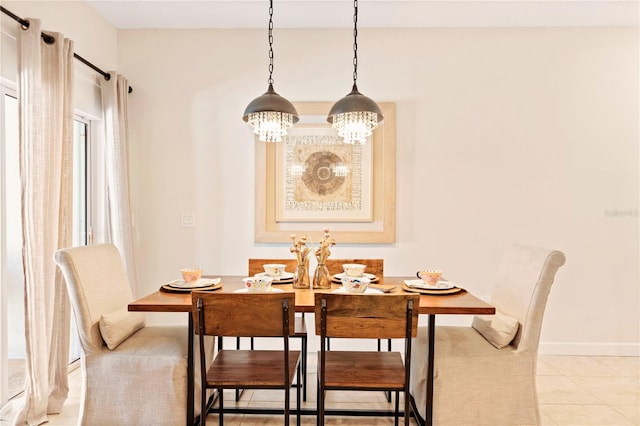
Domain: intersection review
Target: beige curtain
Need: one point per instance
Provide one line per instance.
(119, 222)
(45, 82)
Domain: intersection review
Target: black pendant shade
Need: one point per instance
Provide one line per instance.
(355, 102)
(271, 101)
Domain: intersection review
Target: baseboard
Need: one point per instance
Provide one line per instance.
(590, 349)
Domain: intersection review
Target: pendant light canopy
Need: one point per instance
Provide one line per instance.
(355, 116)
(270, 115)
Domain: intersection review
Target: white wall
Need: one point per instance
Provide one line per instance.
(93, 37)
(503, 135)
(520, 135)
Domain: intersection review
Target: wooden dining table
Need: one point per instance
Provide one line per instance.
(462, 303)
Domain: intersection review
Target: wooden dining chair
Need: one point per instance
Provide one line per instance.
(374, 266)
(247, 315)
(300, 327)
(355, 316)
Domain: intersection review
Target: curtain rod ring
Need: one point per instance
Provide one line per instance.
(49, 39)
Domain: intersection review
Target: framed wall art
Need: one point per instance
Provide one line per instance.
(312, 180)
(320, 178)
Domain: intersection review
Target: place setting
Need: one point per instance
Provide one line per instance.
(430, 282)
(277, 273)
(191, 280)
(356, 285)
(355, 281)
(354, 270)
(259, 283)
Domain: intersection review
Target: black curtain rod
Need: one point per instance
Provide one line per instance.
(50, 40)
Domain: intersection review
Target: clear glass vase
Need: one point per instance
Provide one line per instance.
(301, 277)
(321, 277)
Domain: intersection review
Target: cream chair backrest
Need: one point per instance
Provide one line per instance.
(524, 280)
(98, 284)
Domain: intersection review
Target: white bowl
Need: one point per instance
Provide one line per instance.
(355, 284)
(257, 284)
(274, 269)
(354, 269)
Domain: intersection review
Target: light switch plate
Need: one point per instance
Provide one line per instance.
(188, 220)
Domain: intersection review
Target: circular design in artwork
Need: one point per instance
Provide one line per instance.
(319, 175)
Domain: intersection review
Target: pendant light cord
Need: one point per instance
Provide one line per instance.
(270, 42)
(355, 42)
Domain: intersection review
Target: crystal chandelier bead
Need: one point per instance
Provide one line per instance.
(355, 126)
(270, 126)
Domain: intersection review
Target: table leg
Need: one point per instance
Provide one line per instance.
(190, 374)
(430, 363)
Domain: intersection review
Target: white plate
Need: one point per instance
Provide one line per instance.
(442, 285)
(271, 290)
(341, 290)
(283, 277)
(365, 275)
(203, 282)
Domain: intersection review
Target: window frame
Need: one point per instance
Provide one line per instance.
(7, 88)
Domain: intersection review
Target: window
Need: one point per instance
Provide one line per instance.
(12, 341)
(11, 288)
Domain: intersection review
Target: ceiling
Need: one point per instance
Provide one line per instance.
(145, 14)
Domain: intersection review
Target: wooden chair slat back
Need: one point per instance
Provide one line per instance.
(243, 314)
(367, 316)
(255, 265)
(374, 266)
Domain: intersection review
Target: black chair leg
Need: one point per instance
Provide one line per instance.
(304, 369)
(397, 419)
(320, 406)
(221, 405)
(298, 395)
(287, 405)
(387, 394)
(240, 391)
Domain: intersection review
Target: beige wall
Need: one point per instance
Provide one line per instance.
(503, 135)
(93, 37)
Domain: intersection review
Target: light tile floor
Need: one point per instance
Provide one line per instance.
(589, 390)
(572, 390)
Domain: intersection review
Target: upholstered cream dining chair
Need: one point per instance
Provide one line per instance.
(132, 374)
(486, 374)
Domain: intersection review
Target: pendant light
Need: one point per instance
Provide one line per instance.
(270, 115)
(355, 116)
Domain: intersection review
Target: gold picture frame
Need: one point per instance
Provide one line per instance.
(381, 226)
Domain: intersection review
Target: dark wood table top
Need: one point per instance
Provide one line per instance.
(463, 303)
